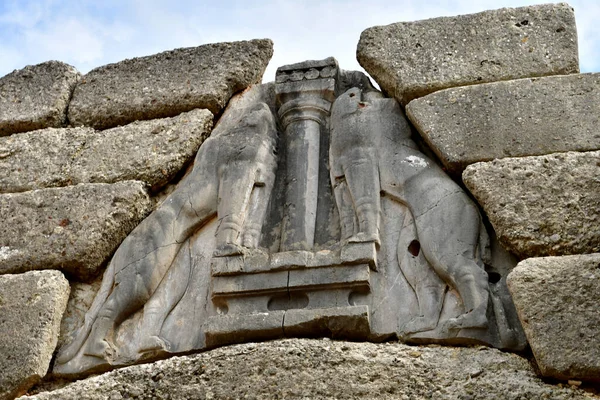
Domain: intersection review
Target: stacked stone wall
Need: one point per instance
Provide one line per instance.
(498, 98)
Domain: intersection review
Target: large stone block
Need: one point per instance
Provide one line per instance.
(557, 301)
(544, 205)
(325, 369)
(166, 84)
(31, 306)
(523, 117)
(36, 97)
(74, 229)
(150, 151)
(411, 59)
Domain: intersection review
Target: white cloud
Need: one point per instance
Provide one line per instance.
(88, 33)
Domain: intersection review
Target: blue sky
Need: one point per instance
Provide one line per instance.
(91, 33)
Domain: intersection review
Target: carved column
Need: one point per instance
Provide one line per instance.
(305, 92)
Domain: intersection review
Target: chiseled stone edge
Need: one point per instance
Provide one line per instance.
(52, 288)
(99, 101)
(74, 229)
(151, 151)
(406, 85)
(554, 296)
(35, 113)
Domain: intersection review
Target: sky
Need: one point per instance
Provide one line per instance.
(91, 33)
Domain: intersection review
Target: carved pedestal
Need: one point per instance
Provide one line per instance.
(295, 293)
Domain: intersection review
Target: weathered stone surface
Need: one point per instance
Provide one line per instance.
(31, 306)
(557, 301)
(150, 151)
(411, 59)
(311, 369)
(80, 300)
(166, 84)
(541, 206)
(74, 229)
(523, 117)
(36, 97)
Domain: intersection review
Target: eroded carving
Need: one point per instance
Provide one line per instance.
(350, 231)
(372, 154)
(232, 177)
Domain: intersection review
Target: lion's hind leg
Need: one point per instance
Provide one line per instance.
(124, 300)
(449, 237)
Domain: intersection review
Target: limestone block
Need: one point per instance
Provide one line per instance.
(36, 97)
(31, 306)
(168, 83)
(557, 301)
(74, 229)
(150, 151)
(523, 117)
(411, 59)
(325, 369)
(544, 205)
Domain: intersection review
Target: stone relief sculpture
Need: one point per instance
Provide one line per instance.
(232, 177)
(371, 153)
(342, 227)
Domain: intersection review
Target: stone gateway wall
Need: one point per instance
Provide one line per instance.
(172, 204)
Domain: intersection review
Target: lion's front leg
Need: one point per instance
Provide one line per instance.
(343, 201)
(362, 176)
(259, 203)
(235, 189)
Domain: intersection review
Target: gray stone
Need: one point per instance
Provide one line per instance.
(36, 97)
(325, 369)
(411, 59)
(524, 117)
(232, 178)
(268, 259)
(557, 301)
(168, 83)
(372, 155)
(305, 92)
(81, 298)
(149, 151)
(543, 205)
(31, 306)
(74, 229)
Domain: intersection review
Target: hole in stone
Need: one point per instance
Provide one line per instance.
(288, 302)
(352, 94)
(494, 277)
(222, 309)
(414, 248)
(561, 29)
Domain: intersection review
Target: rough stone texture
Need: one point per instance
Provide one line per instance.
(541, 206)
(557, 301)
(318, 369)
(36, 97)
(74, 229)
(150, 151)
(31, 306)
(80, 300)
(523, 117)
(166, 84)
(411, 59)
